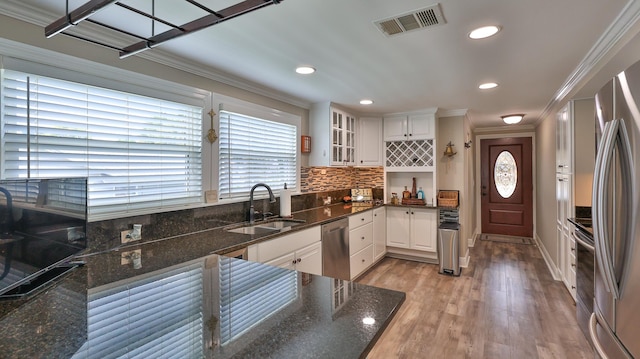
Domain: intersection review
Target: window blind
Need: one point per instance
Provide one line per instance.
(254, 150)
(156, 317)
(250, 293)
(137, 152)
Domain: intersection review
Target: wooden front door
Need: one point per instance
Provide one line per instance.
(506, 193)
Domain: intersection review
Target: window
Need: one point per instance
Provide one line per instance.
(505, 174)
(138, 152)
(254, 150)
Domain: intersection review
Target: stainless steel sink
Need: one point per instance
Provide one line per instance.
(253, 230)
(279, 224)
(268, 227)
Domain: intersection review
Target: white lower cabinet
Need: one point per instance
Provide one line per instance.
(360, 261)
(307, 259)
(413, 229)
(379, 233)
(360, 242)
(301, 251)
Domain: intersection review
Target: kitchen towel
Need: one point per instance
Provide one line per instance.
(285, 203)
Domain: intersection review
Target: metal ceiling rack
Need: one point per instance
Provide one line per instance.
(82, 13)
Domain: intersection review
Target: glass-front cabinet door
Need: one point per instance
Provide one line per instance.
(343, 135)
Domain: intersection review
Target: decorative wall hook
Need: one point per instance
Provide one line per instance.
(448, 151)
(468, 144)
(212, 136)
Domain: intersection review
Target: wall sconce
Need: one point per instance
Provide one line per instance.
(448, 151)
(305, 144)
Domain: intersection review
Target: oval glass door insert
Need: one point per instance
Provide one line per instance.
(505, 174)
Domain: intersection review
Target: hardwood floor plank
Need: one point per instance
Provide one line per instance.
(505, 304)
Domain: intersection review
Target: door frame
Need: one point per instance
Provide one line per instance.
(478, 174)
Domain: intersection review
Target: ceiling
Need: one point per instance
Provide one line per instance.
(542, 50)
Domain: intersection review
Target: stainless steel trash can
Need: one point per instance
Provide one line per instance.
(448, 233)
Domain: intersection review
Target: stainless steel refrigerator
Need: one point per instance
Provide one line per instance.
(615, 323)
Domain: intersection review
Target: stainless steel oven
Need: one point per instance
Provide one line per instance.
(584, 277)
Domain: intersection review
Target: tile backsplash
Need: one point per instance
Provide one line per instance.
(319, 179)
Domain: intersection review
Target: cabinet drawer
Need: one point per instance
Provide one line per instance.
(361, 261)
(360, 238)
(359, 219)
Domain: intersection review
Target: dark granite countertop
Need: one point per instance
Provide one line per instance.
(220, 241)
(323, 317)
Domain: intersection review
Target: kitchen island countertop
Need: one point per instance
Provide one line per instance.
(324, 316)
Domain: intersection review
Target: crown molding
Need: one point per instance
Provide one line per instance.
(35, 16)
(597, 56)
(452, 113)
(505, 128)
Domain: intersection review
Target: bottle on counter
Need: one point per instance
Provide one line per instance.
(420, 193)
(406, 193)
(414, 193)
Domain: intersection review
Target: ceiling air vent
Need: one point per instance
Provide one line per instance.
(414, 20)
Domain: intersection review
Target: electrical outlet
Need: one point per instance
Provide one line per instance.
(127, 257)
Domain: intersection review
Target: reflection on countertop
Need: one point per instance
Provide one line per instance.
(186, 307)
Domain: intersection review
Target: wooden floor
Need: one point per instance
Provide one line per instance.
(504, 305)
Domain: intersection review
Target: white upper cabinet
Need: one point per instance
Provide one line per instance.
(564, 136)
(409, 127)
(333, 136)
(369, 151)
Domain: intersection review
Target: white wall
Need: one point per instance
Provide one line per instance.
(452, 172)
(545, 182)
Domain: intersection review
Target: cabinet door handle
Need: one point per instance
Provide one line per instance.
(363, 261)
(362, 219)
(299, 260)
(411, 134)
(363, 238)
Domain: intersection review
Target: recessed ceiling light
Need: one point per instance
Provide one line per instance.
(305, 70)
(488, 85)
(484, 32)
(512, 119)
(366, 102)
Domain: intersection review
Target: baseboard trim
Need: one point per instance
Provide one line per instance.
(472, 241)
(412, 258)
(555, 273)
(464, 261)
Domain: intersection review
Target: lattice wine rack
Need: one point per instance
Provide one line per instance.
(410, 153)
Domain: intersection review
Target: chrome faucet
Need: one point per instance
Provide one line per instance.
(252, 212)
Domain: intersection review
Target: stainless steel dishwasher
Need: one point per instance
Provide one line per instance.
(335, 249)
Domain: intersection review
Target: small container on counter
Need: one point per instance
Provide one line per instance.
(394, 198)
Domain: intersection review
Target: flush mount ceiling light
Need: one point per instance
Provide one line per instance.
(305, 70)
(484, 32)
(512, 119)
(488, 85)
(366, 102)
